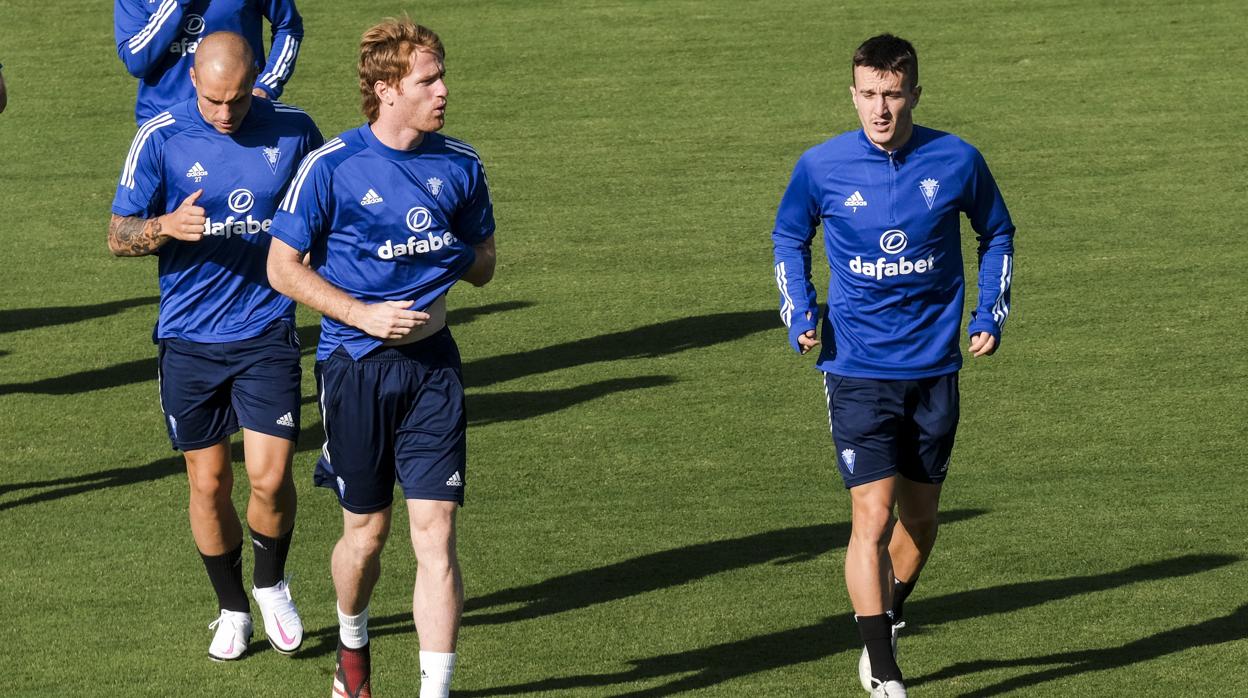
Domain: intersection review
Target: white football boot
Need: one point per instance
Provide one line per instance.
(281, 620)
(889, 689)
(233, 635)
(864, 662)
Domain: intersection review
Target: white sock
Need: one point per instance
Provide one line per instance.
(435, 674)
(353, 630)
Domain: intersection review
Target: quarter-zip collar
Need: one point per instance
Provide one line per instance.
(899, 155)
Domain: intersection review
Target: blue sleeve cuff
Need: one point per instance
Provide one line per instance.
(984, 326)
(799, 327)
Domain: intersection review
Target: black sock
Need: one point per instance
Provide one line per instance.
(270, 557)
(877, 635)
(900, 591)
(226, 574)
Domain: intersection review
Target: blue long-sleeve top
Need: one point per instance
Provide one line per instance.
(891, 233)
(156, 39)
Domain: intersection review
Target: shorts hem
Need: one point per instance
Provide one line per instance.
(355, 509)
(927, 481)
(868, 479)
(271, 432)
(203, 443)
(435, 496)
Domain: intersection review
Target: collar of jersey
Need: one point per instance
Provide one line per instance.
(386, 151)
(899, 154)
(192, 106)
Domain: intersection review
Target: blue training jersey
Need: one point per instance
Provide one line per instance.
(891, 233)
(156, 39)
(217, 289)
(385, 224)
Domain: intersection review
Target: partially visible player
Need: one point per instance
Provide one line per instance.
(889, 196)
(157, 40)
(4, 95)
(393, 215)
(198, 190)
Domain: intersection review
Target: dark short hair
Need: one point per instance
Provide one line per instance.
(889, 54)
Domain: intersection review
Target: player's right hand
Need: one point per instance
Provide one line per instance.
(388, 319)
(186, 222)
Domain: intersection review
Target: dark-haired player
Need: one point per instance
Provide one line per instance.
(889, 196)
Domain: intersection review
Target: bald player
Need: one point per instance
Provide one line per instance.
(198, 190)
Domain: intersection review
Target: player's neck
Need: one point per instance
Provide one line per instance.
(398, 137)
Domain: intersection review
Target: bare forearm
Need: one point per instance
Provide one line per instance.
(482, 269)
(131, 236)
(300, 283)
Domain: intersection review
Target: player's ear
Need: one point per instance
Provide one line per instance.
(918, 90)
(193, 83)
(382, 90)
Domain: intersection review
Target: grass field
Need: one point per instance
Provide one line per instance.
(652, 507)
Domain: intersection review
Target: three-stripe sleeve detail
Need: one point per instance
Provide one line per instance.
(787, 307)
(1001, 308)
(291, 199)
(285, 61)
(154, 23)
(136, 147)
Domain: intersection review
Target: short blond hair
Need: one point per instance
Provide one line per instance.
(386, 52)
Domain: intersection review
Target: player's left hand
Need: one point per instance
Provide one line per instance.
(983, 344)
(257, 92)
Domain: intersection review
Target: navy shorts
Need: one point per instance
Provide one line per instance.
(892, 427)
(208, 390)
(395, 414)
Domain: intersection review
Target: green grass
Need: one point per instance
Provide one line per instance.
(653, 508)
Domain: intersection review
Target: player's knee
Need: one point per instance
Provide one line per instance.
(365, 544)
(873, 525)
(272, 486)
(433, 540)
(920, 526)
(211, 486)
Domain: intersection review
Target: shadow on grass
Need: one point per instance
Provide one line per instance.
(662, 570)
(103, 479)
(648, 341)
(31, 318)
(709, 666)
(1229, 628)
(482, 410)
(639, 575)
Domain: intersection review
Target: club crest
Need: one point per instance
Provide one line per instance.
(435, 185)
(271, 155)
(848, 456)
(929, 187)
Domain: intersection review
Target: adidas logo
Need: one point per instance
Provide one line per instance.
(856, 201)
(285, 421)
(197, 172)
(372, 197)
(455, 481)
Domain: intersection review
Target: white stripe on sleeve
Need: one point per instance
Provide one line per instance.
(157, 20)
(285, 60)
(292, 195)
(1000, 309)
(136, 147)
(786, 310)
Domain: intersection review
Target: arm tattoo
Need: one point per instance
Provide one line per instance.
(131, 236)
